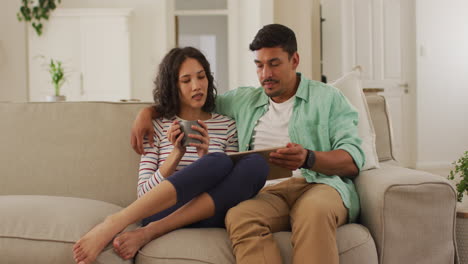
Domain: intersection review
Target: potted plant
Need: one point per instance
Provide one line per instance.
(461, 169)
(57, 75)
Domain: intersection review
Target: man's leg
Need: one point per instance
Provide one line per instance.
(251, 225)
(315, 216)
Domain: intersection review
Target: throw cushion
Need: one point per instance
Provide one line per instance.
(351, 86)
(43, 229)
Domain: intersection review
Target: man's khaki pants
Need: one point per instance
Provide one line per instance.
(312, 212)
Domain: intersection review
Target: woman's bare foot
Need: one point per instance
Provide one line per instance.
(127, 244)
(86, 250)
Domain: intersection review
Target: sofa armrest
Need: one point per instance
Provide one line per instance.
(410, 214)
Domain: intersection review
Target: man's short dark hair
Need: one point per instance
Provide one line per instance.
(166, 90)
(275, 35)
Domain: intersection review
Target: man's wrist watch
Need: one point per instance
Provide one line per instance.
(309, 161)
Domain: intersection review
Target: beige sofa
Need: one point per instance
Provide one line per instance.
(65, 166)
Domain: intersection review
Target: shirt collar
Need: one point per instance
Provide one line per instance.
(303, 89)
(302, 92)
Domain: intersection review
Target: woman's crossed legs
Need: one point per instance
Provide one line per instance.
(193, 195)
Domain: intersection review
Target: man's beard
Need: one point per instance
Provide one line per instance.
(274, 93)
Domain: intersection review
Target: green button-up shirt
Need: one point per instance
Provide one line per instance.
(322, 120)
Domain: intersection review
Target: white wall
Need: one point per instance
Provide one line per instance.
(151, 37)
(149, 42)
(215, 27)
(13, 59)
(250, 23)
(442, 77)
(438, 77)
(297, 15)
(332, 40)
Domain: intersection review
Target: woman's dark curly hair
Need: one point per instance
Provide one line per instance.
(166, 90)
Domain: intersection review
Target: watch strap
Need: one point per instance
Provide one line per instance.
(309, 161)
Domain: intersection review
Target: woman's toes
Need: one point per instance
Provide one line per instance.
(128, 256)
(77, 245)
(116, 242)
(123, 252)
(80, 256)
(76, 251)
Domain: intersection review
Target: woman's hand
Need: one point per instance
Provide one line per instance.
(175, 136)
(204, 138)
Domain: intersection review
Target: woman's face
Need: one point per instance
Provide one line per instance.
(193, 84)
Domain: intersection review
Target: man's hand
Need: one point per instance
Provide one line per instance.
(291, 157)
(334, 162)
(142, 126)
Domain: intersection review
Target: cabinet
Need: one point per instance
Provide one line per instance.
(94, 46)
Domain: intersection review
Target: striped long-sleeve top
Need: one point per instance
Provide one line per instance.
(223, 138)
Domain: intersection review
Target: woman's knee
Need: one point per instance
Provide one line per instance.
(217, 160)
(254, 168)
(255, 159)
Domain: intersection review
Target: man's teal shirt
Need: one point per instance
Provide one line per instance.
(322, 120)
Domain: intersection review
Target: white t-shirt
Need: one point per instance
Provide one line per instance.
(271, 129)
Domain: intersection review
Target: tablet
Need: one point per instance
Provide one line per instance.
(276, 172)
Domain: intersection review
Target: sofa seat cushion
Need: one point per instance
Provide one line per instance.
(43, 229)
(212, 245)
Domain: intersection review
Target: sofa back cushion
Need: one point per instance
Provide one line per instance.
(382, 124)
(78, 149)
(82, 149)
(351, 86)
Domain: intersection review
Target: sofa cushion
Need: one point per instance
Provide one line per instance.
(43, 229)
(382, 124)
(212, 245)
(84, 150)
(351, 86)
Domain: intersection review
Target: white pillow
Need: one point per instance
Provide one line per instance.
(351, 86)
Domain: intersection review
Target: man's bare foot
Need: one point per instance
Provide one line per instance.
(86, 250)
(127, 244)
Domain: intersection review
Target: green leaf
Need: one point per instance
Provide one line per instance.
(35, 12)
(461, 169)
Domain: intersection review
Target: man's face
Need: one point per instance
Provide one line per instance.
(276, 72)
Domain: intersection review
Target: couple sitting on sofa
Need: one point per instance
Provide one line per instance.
(199, 186)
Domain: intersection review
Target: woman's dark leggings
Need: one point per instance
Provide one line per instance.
(228, 184)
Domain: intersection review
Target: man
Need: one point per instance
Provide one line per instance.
(323, 150)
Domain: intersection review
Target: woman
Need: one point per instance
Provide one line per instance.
(175, 190)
